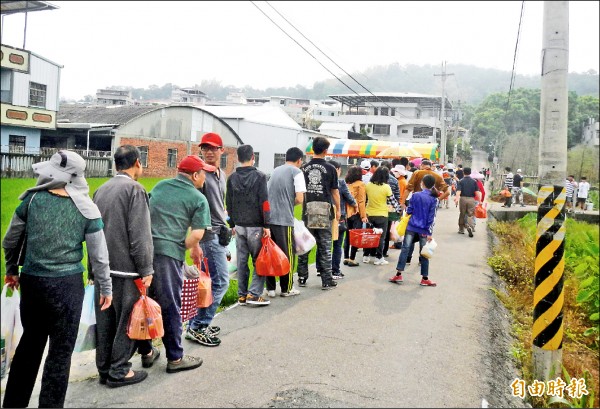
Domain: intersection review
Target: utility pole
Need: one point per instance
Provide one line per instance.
(443, 138)
(548, 297)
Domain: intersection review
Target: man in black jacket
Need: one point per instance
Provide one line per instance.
(247, 200)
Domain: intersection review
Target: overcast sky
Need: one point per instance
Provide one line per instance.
(156, 42)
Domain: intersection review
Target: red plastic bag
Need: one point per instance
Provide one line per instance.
(271, 260)
(205, 296)
(145, 321)
(480, 212)
(364, 238)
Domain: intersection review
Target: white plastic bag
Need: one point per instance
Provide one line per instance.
(429, 248)
(86, 335)
(304, 241)
(11, 328)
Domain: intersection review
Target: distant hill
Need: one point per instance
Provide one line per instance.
(469, 84)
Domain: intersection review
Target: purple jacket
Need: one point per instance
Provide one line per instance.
(422, 208)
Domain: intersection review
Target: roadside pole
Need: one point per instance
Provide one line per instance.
(548, 297)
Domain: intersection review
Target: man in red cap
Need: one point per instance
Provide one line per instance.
(175, 206)
(214, 243)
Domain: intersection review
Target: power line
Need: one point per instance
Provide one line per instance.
(512, 77)
(330, 59)
(308, 52)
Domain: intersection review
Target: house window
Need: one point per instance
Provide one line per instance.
(375, 111)
(384, 111)
(332, 114)
(392, 111)
(16, 143)
(256, 158)
(279, 159)
(223, 164)
(37, 95)
(143, 155)
(379, 129)
(6, 86)
(405, 131)
(172, 158)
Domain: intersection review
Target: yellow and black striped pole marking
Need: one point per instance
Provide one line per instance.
(548, 296)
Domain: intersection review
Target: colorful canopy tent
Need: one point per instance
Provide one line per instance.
(372, 148)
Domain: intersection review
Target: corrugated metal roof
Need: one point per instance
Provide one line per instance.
(261, 114)
(21, 6)
(101, 114)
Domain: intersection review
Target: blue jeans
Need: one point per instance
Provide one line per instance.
(219, 276)
(336, 255)
(407, 245)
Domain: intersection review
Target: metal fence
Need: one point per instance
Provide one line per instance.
(18, 165)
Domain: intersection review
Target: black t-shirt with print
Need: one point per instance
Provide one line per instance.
(320, 177)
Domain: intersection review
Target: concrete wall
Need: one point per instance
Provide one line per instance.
(32, 137)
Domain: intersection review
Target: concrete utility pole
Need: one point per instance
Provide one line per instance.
(443, 137)
(548, 297)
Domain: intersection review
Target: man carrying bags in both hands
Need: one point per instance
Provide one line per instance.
(247, 201)
(176, 205)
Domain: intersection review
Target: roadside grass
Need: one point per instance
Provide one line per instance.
(12, 188)
(513, 259)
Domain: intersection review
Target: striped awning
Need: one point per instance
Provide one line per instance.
(371, 148)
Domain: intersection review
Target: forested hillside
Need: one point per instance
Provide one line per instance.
(469, 84)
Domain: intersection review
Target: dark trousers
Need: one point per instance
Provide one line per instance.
(166, 287)
(50, 309)
(323, 237)
(283, 236)
(379, 222)
(114, 348)
(353, 223)
(336, 256)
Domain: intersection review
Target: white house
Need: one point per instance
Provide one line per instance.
(392, 116)
(30, 98)
(590, 132)
(269, 130)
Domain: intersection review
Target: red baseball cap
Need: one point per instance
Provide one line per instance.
(212, 139)
(192, 163)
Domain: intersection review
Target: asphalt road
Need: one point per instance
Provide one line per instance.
(367, 343)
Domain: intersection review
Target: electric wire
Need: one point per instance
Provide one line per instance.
(330, 59)
(513, 75)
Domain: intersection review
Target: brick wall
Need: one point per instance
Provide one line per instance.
(158, 152)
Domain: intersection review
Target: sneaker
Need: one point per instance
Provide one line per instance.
(329, 286)
(271, 293)
(386, 255)
(427, 283)
(381, 262)
(396, 279)
(522, 205)
(290, 293)
(214, 330)
(302, 281)
(461, 232)
(185, 363)
(203, 336)
(470, 231)
(337, 276)
(346, 260)
(352, 263)
(148, 360)
(138, 376)
(318, 274)
(250, 299)
(366, 260)
(242, 300)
